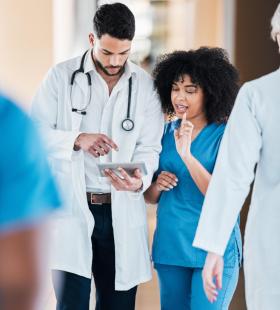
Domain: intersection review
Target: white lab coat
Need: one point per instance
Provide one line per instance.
(72, 228)
(251, 137)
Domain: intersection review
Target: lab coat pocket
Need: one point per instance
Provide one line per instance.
(137, 213)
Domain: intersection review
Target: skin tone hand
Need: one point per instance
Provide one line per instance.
(183, 137)
(125, 182)
(95, 144)
(183, 140)
(212, 275)
(165, 182)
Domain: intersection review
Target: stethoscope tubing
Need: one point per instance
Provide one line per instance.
(127, 124)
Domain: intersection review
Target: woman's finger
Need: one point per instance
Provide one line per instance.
(165, 183)
(170, 175)
(168, 180)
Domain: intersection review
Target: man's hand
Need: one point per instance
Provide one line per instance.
(212, 275)
(125, 182)
(95, 144)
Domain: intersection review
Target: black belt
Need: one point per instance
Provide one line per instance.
(98, 199)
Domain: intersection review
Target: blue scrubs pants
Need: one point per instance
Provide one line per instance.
(181, 288)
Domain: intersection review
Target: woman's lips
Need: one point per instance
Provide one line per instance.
(181, 108)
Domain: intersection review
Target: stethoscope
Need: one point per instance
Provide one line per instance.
(127, 124)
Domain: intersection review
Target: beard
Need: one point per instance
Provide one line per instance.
(105, 69)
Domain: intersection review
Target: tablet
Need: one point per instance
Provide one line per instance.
(128, 167)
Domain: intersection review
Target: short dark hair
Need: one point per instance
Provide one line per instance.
(210, 69)
(114, 19)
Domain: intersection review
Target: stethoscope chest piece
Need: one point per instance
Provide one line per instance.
(127, 124)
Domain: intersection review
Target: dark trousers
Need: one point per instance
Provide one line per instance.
(74, 292)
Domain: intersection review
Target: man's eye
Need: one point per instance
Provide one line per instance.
(175, 89)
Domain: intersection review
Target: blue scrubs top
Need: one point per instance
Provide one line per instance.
(179, 209)
(27, 188)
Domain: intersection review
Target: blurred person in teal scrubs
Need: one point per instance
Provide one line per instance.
(27, 195)
(199, 88)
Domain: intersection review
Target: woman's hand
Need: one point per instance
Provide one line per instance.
(183, 137)
(166, 181)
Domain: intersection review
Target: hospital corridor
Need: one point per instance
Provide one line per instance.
(54, 51)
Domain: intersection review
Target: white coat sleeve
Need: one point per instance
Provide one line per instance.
(148, 145)
(233, 174)
(59, 143)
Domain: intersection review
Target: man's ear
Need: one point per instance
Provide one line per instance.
(91, 39)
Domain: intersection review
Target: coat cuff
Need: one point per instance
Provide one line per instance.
(208, 247)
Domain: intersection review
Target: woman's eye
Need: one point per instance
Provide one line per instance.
(190, 90)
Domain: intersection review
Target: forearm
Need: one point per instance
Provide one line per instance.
(198, 173)
(152, 194)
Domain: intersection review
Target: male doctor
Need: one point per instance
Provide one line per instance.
(251, 138)
(106, 112)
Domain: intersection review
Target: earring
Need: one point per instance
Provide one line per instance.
(170, 115)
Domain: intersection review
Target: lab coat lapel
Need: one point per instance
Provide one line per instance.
(81, 82)
(119, 115)
(80, 95)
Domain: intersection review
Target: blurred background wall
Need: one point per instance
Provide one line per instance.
(26, 45)
(35, 34)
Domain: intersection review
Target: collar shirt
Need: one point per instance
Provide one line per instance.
(99, 119)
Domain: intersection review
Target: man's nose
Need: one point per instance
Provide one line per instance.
(115, 60)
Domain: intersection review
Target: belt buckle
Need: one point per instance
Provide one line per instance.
(92, 200)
